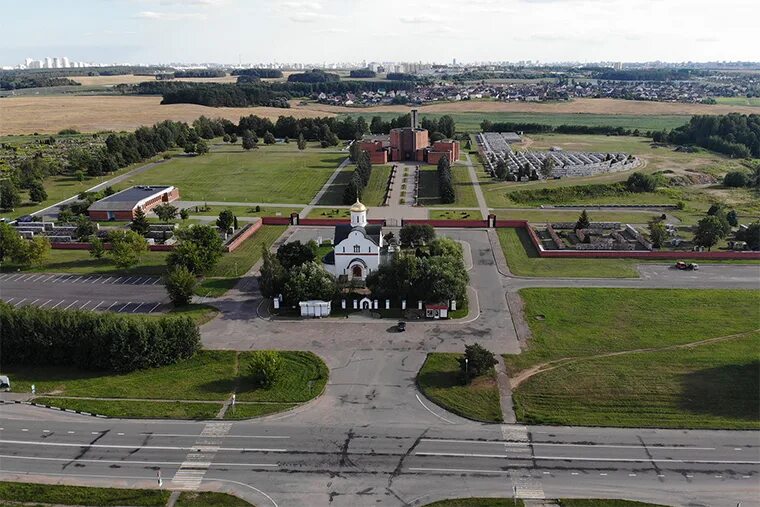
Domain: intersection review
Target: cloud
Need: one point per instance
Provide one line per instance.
(308, 17)
(313, 6)
(417, 19)
(332, 30)
(170, 16)
(208, 3)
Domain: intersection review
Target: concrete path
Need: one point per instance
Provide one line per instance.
(476, 186)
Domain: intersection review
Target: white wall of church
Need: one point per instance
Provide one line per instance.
(356, 249)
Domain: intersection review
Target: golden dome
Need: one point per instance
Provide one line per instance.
(358, 207)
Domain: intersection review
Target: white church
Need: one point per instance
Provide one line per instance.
(358, 247)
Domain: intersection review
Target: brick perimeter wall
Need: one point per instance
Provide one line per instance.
(244, 234)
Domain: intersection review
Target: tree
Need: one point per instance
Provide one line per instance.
(709, 231)
(165, 212)
(10, 241)
(184, 213)
(446, 246)
(225, 220)
(249, 140)
(415, 234)
(269, 138)
(201, 147)
(273, 276)
(547, 167)
(233, 138)
(735, 179)
(127, 247)
(476, 361)
(65, 215)
(354, 151)
(294, 254)
(657, 233)
(751, 235)
(226, 138)
(140, 223)
(501, 170)
(308, 282)
(199, 249)
(732, 218)
(583, 221)
(85, 228)
(37, 192)
(180, 284)
(353, 190)
(264, 367)
(446, 126)
(97, 250)
(301, 142)
(10, 197)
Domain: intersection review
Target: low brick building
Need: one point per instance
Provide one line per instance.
(123, 205)
(409, 144)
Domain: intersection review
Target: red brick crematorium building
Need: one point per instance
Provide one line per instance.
(409, 144)
(123, 205)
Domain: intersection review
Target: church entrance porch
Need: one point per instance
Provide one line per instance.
(356, 272)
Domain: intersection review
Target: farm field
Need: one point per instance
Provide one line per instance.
(440, 380)
(739, 101)
(51, 113)
(614, 357)
(463, 188)
(278, 174)
(196, 387)
(523, 260)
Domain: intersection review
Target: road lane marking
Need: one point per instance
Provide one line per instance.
(539, 444)
(196, 435)
(572, 458)
(128, 279)
(138, 279)
(147, 447)
(459, 470)
(106, 279)
(9, 300)
(72, 304)
(136, 462)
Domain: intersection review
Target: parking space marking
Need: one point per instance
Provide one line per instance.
(128, 279)
(9, 301)
(97, 305)
(154, 308)
(72, 304)
(87, 303)
(106, 279)
(138, 279)
(46, 302)
(17, 304)
(34, 301)
(48, 278)
(156, 281)
(97, 279)
(58, 303)
(122, 308)
(115, 302)
(15, 277)
(136, 307)
(117, 280)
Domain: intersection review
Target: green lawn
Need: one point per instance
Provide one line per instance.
(478, 502)
(375, 190)
(591, 502)
(450, 214)
(330, 213)
(712, 385)
(248, 211)
(28, 493)
(429, 194)
(739, 101)
(208, 376)
(440, 380)
(541, 216)
(333, 196)
(229, 173)
(523, 260)
(209, 499)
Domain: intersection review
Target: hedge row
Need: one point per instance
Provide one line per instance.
(94, 341)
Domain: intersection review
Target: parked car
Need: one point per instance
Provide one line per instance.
(686, 266)
(5, 383)
(401, 326)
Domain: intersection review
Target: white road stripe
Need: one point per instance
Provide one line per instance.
(154, 308)
(46, 302)
(137, 462)
(128, 279)
(426, 408)
(19, 302)
(217, 436)
(87, 303)
(156, 281)
(115, 302)
(34, 301)
(126, 305)
(58, 303)
(9, 301)
(573, 458)
(138, 279)
(539, 444)
(48, 278)
(137, 307)
(106, 279)
(72, 304)
(97, 305)
(146, 447)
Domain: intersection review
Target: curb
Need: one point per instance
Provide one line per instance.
(41, 405)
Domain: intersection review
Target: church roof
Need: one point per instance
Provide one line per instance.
(371, 232)
(358, 207)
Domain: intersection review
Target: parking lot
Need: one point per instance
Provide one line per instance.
(121, 294)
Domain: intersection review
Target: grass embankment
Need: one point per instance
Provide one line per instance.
(235, 264)
(440, 380)
(278, 174)
(464, 190)
(631, 357)
(191, 389)
(56, 494)
(523, 260)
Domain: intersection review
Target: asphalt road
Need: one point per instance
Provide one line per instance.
(293, 461)
(125, 294)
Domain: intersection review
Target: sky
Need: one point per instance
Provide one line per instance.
(317, 31)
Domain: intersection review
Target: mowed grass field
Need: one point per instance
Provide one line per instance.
(523, 260)
(464, 190)
(439, 379)
(373, 193)
(275, 174)
(640, 357)
(193, 389)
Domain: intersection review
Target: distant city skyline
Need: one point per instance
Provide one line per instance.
(231, 31)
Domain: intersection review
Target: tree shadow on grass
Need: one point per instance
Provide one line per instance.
(730, 391)
(221, 386)
(440, 379)
(530, 250)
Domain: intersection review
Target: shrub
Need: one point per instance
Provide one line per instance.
(265, 367)
(735, 179)
(180, 284)
(639, 182)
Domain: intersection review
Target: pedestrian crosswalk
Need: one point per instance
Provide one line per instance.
(190, 474)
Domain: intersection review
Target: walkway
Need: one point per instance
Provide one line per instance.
(476, 186)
